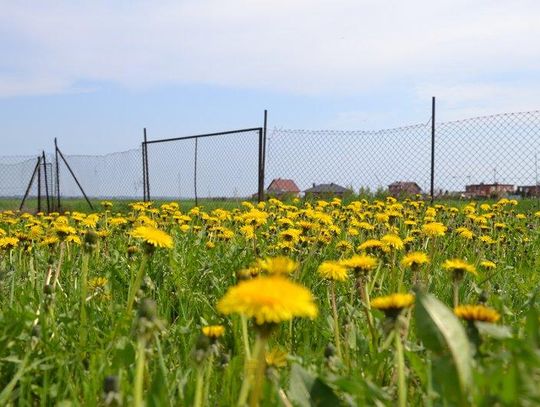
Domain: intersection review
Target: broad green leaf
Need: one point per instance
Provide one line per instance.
(307, 390)
(442, 332)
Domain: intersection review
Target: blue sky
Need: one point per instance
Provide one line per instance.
(94, 73)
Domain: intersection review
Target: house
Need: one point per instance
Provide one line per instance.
(326, 191)
(280, 188)
(401, 188)
(528, 190)
(482, 190)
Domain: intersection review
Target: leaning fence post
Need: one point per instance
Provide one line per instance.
(432, 180)
(36, 169)
(75, 178)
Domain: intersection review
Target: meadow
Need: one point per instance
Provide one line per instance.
(324, 303)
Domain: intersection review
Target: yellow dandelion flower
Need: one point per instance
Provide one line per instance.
(434, 229)
(213, 331)
(290, 235)
(360, 263)
(153, 236)
(415, 259)
(8, 243)
(370, 245)
(276, 358)
(487, 264)
(392, 304)
(270, 299)
(459, 266)
(393, 241)
(477, 313)
(278, 265)
(465, 233)
(97, 283)
(332, 270)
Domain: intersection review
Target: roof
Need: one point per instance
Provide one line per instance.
(283, 185)
(481, 185)
(327, 188)
(403, 184)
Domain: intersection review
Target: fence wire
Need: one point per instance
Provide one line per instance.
(479, 157)
(218, 167)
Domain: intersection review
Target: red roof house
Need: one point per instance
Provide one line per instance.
(280, 187)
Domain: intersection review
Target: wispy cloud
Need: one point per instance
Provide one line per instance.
(306, 47)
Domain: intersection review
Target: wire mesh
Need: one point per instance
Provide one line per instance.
(479, 157)
(352, 159)
(116, 175)
(492, 155)
(218, 167)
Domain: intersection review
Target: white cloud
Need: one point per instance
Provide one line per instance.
(307, 47)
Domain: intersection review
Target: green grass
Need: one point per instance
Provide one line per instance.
(51, 354)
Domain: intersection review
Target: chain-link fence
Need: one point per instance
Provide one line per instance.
(212, 166)
(479, 157)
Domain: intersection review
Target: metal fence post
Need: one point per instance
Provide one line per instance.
(146, 168)
(39, 185)
(57, 175)
(261, 179)
(46, 179)
(195, 172)
(432, 178)
(143, 147)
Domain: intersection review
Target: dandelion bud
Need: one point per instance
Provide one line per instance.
(329, 351)
(36, 331)
(110, 384)
(111, 395)
(90, 240)
(132, 250)
(147, 309)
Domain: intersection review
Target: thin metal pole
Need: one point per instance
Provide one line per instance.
(143, 146)
(432, 184)
(39, 187)
(261, 180)
(46, 182)
(147, 170)
(195, 172)
(75, 178)
(36, 168)
(264, 144)
(57, 175)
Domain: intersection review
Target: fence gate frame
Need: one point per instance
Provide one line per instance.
(261, 131)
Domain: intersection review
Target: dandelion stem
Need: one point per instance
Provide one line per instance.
(245, 337)
(136, 285)
(139, 373)
(258, 383)
(198, 402)
(456, 293)
(400, 364)
(84, 277)
(362, 287)
(337, 335)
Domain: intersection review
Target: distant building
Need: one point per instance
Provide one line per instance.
(327, 191)
(528, 190)
(400, 188)
(280, 188)
(488, 190)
